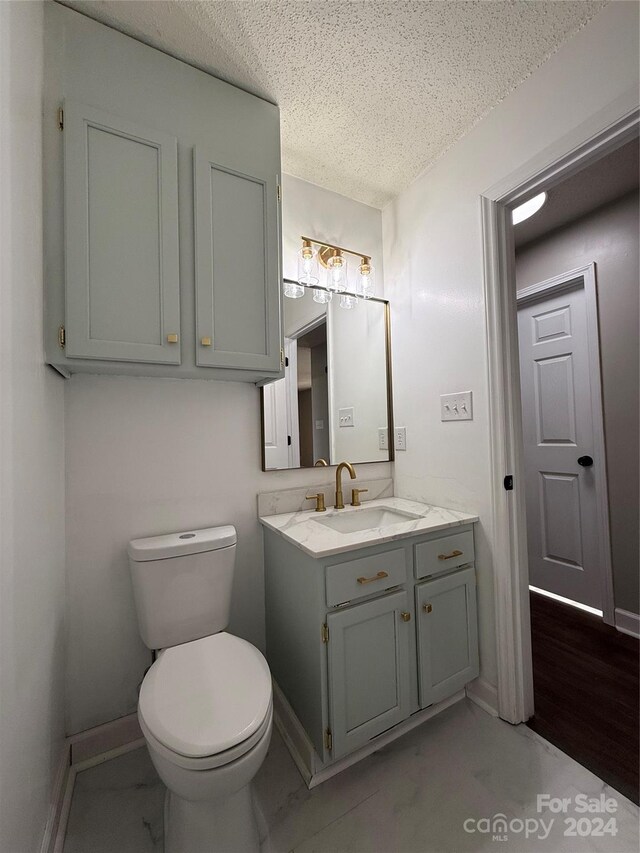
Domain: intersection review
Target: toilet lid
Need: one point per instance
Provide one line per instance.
(206, 696)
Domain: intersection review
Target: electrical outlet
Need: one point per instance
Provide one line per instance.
(400, 438)
(383, 438)
(345, 417)
(456, 407)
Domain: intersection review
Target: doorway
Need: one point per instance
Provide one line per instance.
(516, 660)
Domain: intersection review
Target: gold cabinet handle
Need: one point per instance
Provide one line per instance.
(405, 616)
(449, 556)
(319, 499)
(205, 342)
(380, 576)
(172, 339)
(427, 608)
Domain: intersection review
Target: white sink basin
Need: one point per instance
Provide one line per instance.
(366, 519)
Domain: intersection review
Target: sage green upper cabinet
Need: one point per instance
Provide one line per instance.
(121, 246)
(161, 213)
(237, 265)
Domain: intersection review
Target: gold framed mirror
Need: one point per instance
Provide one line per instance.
(335, 401)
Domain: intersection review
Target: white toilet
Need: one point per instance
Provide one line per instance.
(205, 705)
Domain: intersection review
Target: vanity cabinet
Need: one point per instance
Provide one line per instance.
(162, 243)
(359, 642)
(447, 635)
(368, 670)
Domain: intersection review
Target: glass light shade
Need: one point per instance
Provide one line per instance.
(366, 279)
(322, 296)
(293, 291)
(337, 273)
(308, 265)
(348, 301)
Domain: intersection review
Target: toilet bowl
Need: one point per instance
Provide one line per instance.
(205, 705)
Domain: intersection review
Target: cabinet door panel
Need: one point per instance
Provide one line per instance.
(368, 670)
(237, 279)
(121, 224)
(447, 635)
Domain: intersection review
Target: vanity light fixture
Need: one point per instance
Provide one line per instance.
(524, 211)
(337, 272)
(308, 265)
(365, 281)
(335, 262)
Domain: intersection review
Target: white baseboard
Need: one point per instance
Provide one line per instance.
(484, 695)
(81, 751)
(628, 623)
(57, 799)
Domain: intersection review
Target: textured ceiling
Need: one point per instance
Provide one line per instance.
(604, 181)
(371, 93)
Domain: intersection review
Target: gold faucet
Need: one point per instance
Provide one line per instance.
(352, 474)
(321, 463)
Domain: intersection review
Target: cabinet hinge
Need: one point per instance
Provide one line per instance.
(279, 191)
(62, 337)
(60, 118)
(325, 633)
(281, 357)
(328, 740)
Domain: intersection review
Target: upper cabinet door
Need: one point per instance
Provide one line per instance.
(237, 264)
(121, 235)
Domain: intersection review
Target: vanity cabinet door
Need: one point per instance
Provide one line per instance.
(122, 289)
(368, 670)
(237, 261)
(447, 635)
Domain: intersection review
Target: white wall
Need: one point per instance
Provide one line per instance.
(31, 458)
(608, 236)
(148, 456)
(434, 273)
(324, 215)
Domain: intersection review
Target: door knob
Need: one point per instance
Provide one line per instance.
(585, 461)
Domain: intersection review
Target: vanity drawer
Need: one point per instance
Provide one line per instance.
(444, 553)
(357, 578)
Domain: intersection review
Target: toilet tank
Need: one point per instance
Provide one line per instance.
(182, 584)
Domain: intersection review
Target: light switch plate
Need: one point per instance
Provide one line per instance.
(400, 434)
(456, 407)
(383, 438)
(345, 417)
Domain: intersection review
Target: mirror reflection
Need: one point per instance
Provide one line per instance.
(334, 401)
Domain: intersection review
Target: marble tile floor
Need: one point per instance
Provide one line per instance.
(413, 796)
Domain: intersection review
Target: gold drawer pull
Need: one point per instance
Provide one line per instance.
(449, 556)
(377, 577)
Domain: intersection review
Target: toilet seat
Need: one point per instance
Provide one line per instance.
(207, 701)
(209, 762)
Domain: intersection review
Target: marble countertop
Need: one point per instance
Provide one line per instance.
(303, 530)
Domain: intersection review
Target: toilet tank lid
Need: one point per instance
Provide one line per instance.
(182, 544)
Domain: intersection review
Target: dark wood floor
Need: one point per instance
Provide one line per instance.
(586, 691)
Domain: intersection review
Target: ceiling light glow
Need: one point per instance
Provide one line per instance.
(524, 211)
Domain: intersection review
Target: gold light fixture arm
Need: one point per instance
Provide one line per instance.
(324, 244)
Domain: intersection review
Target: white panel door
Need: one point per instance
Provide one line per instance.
(121, 235)
(561, 463)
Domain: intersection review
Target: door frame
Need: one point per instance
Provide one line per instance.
(605, 131)
(585, 278)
